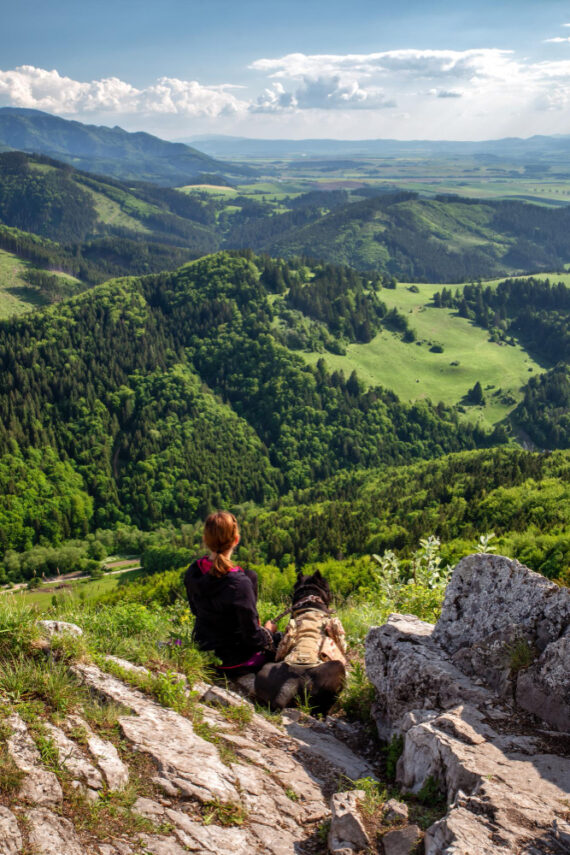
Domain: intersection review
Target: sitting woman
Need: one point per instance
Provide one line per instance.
(223, 597)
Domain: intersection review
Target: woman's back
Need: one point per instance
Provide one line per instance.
(226, 613)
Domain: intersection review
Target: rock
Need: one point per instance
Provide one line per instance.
(503, 789)
(544, 688)
(224, 697)
(188, 761)
(156, 845)
(409, 671)
(10, 837)
(490, 593)
(347, 829)
(115, 772)
(273, 841)
(71, 758)
(40, 786)
(209, 838)
(403, 840)
(328, 747)
(60, 627)
(395, 811)
(149, 809)
(52, 835)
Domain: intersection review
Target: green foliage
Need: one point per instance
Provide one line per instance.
(522, 654)
(139, 385)
(394, 751)
(430, 793)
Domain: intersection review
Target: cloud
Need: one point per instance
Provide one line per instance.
(37, 88)
(557, 39)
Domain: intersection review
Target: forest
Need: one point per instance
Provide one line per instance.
(135, 385)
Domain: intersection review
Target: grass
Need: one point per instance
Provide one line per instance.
(414, 372)
(75, 591)
(16, 296)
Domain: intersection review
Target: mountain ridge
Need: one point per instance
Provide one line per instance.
(113, 151)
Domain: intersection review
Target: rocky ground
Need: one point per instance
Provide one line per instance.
(476, 712)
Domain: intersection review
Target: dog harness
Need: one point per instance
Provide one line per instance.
(311, 638)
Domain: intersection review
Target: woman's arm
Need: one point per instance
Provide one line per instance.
(246, 609)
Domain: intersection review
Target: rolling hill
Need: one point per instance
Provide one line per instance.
(112, 151)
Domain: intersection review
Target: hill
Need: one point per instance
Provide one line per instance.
(115, 405)
(445, 239)
(112, 151)
(94, 227)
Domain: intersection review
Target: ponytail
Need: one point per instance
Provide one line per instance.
(220, 533)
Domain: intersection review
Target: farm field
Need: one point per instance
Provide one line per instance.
(75, 590)
(414, 372)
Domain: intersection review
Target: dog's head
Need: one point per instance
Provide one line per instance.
(314, 588)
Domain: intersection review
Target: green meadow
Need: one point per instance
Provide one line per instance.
(74, 590)
(414, 371)
(16, 296)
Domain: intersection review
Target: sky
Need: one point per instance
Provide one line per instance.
(293, 68)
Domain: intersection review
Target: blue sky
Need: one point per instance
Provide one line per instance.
(293, 69)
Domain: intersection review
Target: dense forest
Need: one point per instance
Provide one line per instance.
(519, 497)
(109, 227)
(136, 386)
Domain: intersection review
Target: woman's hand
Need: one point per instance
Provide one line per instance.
(270, 625)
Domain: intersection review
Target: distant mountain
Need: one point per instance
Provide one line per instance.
(111, 151)
(556, 148)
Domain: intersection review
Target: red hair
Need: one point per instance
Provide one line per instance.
(220, 534)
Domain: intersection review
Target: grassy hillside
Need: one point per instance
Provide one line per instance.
(442, 239)
(17, 293)
(414, 372)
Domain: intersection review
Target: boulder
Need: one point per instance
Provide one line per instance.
(395, 811)
(347, 832)
(490, 593)
(401, 842)
(544, 688)
(449, 690)
(59, 627)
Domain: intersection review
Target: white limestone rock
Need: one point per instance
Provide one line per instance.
(40, 786)
(52, 835)
(59, 627)
(10, 837)
(72, 758)
(347, 830)
(490, 593)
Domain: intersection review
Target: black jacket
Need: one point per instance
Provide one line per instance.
(226, 613)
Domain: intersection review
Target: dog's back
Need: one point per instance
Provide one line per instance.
(311, 658)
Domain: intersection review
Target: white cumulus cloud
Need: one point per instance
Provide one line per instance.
(40, 89)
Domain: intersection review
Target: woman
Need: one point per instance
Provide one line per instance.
(223, 597)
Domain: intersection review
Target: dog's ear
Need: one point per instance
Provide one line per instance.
(317, 576)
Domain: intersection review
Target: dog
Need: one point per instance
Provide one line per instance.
(310, 662)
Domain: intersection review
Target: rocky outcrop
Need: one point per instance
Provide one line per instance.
(454, 691)
(221, 779)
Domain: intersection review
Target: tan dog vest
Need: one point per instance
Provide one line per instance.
(311, 638)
